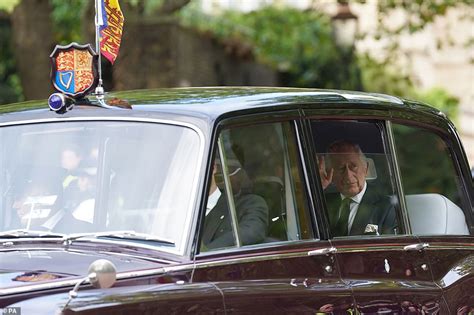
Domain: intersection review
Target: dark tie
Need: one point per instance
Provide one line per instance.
(342, 223)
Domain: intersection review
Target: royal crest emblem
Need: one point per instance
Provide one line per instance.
(74, 69)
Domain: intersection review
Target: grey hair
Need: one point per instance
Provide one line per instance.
(344, 146)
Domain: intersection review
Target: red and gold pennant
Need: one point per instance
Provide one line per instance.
(111, 30)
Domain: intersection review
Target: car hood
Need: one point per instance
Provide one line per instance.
(24, 267)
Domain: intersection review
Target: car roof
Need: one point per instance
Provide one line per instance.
(213, 102)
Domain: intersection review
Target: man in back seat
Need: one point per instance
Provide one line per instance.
(357, 208)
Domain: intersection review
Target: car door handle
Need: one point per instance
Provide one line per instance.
(322, 251)
(416, 247)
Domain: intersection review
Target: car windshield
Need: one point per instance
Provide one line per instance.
(98, 176)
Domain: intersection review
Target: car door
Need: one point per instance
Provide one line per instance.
(438, 192)
(385, 266)
(288, 269)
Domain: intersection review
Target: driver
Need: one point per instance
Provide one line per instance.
(251, 210)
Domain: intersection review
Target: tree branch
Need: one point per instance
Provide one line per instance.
(171, 6)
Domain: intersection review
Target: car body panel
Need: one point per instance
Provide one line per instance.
(164, 298)
(29, 268)
(452, 266)
(385, 276)
(286, 278)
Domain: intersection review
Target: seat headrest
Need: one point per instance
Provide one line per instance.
(434, 214)
(371, 170)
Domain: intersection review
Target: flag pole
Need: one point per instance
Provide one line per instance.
(99, 90)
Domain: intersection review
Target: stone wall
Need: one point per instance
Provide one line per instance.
(201, 60)
(163, 54)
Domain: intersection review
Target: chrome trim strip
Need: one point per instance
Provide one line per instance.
(323, 251)
(371, 97)
(194, 196)
(6, 250)
(416, 247)
(95, 118)
(450, 247)
(184, 267)
(276, 245)
(72, 282)
(309, 193)
(124, 255)
(304, 253)
(156, 271)
(42, 286)
(9, 247)
(234, 260)
(82, 251)
(399, 247)
(397, 175)
(229, 192)
(59, 242)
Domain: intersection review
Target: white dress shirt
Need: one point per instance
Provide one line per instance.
(212, 200)
(354, 205)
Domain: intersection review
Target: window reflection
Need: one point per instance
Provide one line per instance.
(99, 176)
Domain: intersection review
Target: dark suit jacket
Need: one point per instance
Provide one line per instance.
(69, 224)
(374, 208)
(252, 215)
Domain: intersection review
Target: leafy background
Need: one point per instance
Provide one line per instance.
(297, 43)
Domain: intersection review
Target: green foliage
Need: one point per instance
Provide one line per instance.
(419, 12)
(8, 5)
(295, 42)
(10, 88)
(380, 77)
(66, 19)
(442, 100)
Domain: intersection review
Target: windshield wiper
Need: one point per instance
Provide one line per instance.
(125, 235)
(131, 235)
(20, 233)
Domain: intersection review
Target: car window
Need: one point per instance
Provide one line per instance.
(354, 169)
(432, 187)
(263, 200)
(87, 177)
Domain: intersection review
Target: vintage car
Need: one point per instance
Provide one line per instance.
(221, 200)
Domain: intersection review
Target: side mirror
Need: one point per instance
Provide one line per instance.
(101, 274)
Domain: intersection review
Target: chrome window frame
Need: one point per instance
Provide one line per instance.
(398, 178)
(378, 119)
(453, 148)
(294, 122)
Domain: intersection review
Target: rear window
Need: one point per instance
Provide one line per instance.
(432, 187)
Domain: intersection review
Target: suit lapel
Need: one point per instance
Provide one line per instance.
(364, 213)
(213, 220)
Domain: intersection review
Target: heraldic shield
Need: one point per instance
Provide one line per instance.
(74, 69)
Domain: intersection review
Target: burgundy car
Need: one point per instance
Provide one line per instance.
(231, 200)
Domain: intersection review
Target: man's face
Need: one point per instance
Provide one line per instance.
(70, 160)
(349, 172)
(233, 168)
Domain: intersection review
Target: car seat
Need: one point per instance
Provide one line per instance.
(434, 214)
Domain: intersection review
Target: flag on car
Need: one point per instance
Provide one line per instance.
(110, 20)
